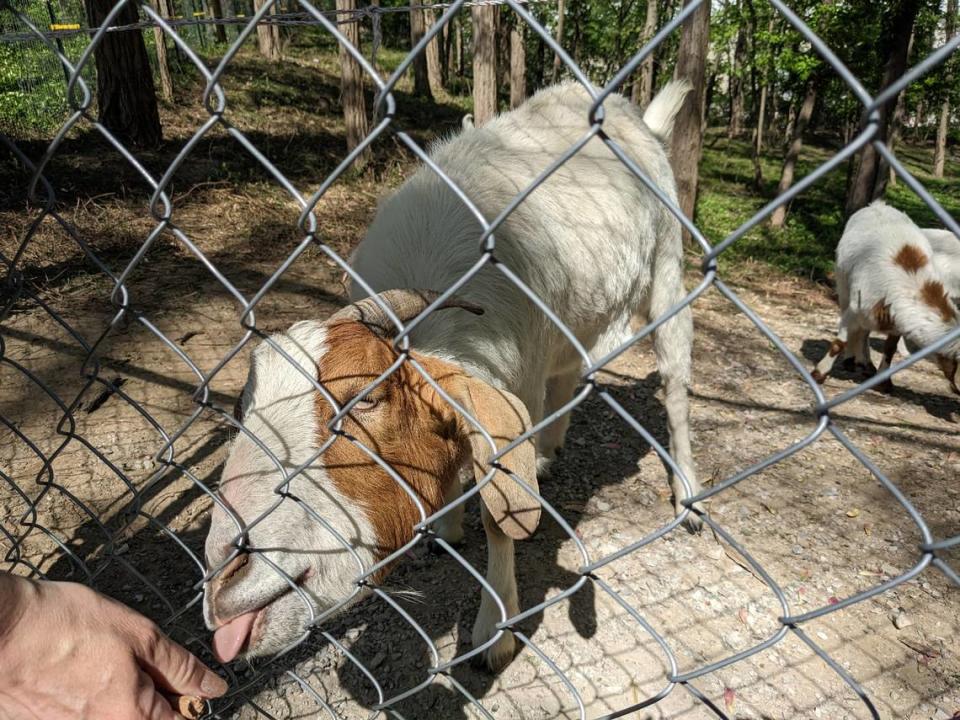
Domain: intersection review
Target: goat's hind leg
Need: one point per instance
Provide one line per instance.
(672, 344)
(560, 390)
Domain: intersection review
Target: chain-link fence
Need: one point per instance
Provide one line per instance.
(130, 544)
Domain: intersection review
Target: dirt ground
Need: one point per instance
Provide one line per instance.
(818, 522)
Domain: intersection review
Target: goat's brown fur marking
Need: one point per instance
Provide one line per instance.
(412, 428)
(933, 294)
(882, 316)
(910, 258)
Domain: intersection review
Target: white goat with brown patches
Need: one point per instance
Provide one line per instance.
(887, 282)
(591, 242)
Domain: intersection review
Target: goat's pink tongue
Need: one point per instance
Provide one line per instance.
(229, 639)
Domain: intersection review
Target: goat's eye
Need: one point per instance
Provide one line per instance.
(366, 403)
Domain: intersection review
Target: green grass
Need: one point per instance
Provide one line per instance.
(806, 244)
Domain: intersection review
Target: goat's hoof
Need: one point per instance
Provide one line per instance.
(818, 377)
(866, 369)
(496, 657)
(692, 522)
(885, 387)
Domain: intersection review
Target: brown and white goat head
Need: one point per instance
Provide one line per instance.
(292, 552)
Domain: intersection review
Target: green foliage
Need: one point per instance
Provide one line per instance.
(806, 245)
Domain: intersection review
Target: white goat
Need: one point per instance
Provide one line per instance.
(591, 242)
(888, 282)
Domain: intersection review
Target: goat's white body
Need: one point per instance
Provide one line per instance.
(591, 242)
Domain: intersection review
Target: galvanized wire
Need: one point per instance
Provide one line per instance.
(20, 293)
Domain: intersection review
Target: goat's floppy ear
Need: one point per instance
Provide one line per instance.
(505, 418)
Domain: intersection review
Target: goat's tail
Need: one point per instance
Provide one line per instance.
(662, 110)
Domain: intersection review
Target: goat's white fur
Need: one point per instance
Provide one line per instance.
(591, 242)
(280, 410)
(867, 276)
(946, 258)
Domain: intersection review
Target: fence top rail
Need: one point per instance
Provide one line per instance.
(340, 17)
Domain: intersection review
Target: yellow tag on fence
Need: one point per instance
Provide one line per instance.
(65, 26)
(198, 14)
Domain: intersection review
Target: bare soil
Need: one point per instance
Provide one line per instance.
(817, 522)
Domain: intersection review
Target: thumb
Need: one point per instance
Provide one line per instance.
(176, 670)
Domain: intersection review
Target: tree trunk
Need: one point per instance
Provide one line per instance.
(268, 34)
(735, 124)
(559, 38)
(870, 180)
(518, 64)
(163, 65)
(896, 124)
(541, 65)
(940, 148)
(501, 33)
(642, 92)
(484, 63)
(351, 87)
(761, 111)
(687, 141)
(421, 77)
(216, 12)
(444, 39)
(461, 60)
(434, 74)
(126, 100)
(790, 161)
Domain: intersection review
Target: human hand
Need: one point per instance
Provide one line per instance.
(69, 653)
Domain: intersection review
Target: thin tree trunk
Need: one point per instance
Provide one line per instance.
(268, 34)
(126, 100)
(461, 51)
(484, 63)
(790, 161)
(870, 180)
(896, 125)
(216, 12)
(444, 39)
(642, 92)
(735, 124)
(687, 141)
(434, 74)
(559, 38)
(351, 87)
(940, 148)
(163, 65)
(518, 64)
(761, 112)
(421, 77)
(501, 34)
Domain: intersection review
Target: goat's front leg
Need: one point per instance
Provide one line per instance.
(450, 526)
(889, 350)
(501, 577)
(838, 346)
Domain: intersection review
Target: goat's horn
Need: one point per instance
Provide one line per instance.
(406, 305)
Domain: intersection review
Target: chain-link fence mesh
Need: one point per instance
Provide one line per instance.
(140, 532)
